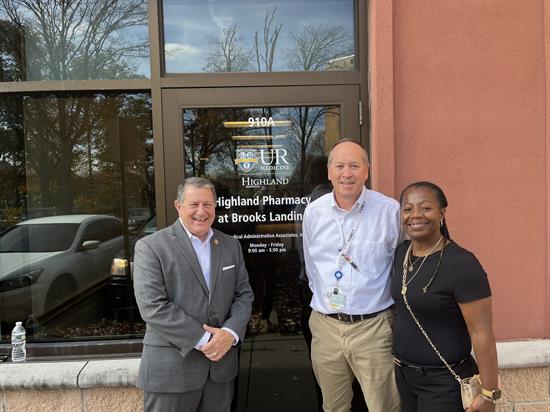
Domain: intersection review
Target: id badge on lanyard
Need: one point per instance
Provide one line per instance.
(336, 298)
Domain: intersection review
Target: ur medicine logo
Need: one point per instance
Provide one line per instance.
(270, 164)
(246, 160)
(264, 160)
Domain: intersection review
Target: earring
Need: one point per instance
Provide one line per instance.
(442, 221)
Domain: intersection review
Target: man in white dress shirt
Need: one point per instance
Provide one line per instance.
(349, 239)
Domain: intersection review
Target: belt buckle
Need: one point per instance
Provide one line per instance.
(344, 317)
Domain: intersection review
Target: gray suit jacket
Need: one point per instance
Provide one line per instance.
(175, 302)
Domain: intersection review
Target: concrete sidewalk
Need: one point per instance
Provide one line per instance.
(276, 375)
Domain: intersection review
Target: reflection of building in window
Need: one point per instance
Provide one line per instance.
(342, 63)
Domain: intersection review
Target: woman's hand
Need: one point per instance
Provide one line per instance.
(481, 405)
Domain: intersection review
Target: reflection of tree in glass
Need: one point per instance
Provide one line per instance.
(227, 53)
(12, 154)
(265, 49)
(97, 177)
(210, 149)
(315, 47)
(80, 39)
(68, 165)
(267, 113)
(11, 53)
(52, 129)
(308, 134)
(204, 135)
(228, 150)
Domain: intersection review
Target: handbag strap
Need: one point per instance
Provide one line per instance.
(404, 293)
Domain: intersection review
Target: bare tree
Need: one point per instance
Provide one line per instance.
(308, 133)
(265, 49)
(314, 47)
(227, 53)
(78, 39)
(204, 135)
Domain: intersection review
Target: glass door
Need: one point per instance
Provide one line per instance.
(266, 151)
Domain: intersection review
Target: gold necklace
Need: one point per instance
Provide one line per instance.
(407, 258)
(411, 263)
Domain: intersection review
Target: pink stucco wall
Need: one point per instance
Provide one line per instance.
(459, 98)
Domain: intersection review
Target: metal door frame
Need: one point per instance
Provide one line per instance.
(175, 100)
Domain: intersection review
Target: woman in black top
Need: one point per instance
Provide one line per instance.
(448, 292)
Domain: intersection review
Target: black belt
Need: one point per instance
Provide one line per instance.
(344, 317)
(423, 368)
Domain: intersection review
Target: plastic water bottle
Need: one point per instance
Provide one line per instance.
(18, 338)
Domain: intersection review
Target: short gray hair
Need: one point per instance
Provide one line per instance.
(365, 153)
(198, 182)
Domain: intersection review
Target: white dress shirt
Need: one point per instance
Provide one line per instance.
(326, 227)
(202, 250)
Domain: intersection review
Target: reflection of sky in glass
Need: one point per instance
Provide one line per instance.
(119, 39)
(189, 24)
(141, 64)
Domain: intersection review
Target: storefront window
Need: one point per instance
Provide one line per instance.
(76, 188)
(73, 40)
(258, 36)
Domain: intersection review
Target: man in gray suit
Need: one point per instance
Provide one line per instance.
(192, 290)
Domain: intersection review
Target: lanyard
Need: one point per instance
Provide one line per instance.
(343, 253)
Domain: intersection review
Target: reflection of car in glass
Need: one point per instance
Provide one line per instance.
(121, 283)
(137, 216)
(46, 261)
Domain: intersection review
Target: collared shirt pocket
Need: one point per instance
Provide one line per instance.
(375, 257)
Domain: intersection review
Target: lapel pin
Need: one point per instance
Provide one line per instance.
(216, 242)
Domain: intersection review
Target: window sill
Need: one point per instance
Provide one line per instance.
(69, 374)
(524, 354)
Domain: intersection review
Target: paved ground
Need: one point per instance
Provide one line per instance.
(276, 375)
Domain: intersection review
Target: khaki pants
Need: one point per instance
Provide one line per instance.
(341, 350)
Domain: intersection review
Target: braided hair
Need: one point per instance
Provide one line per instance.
(441, 199)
